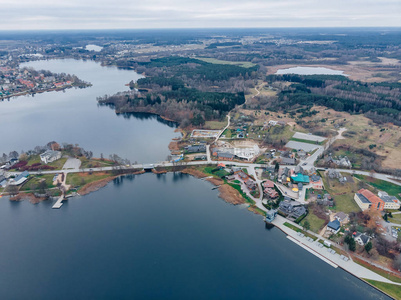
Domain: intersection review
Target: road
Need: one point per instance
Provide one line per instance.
(310, 161)
(381, 176)
(221, 132)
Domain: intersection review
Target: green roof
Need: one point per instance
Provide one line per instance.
(300, 178)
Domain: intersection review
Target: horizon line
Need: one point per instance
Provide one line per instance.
(203, 28)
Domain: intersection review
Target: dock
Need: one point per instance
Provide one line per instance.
(59, 202)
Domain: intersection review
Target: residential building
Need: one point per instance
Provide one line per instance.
(292, 209)
(317, 182)
(196, 148)
(224, 155)
(334, 226)
(268, 184)
(250, 184)
(21, 178)
(300, 178)
(272, 193)
(287, 161)
(50, 156)
(341, 217)
(361, 238)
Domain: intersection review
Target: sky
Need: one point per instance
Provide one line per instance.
(124, 14)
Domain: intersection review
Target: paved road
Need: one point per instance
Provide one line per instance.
(221, 132)
(381, 176)
(332, 259)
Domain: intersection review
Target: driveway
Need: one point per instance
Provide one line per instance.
(72, 163)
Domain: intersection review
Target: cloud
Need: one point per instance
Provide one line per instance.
(102, 14)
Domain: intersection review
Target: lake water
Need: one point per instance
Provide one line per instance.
(141, 237)
(157, 237)
(95, 48)
(310, 71)
(74, 117)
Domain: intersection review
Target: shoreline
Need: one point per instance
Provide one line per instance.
(347, 268)
(231, 196)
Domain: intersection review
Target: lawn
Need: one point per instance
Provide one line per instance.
(296, 229)
(94, 163)
(307, 141)
(391, 289)
(244, 64)
(35, 180)
(215, 125)
(395, 219)
(316, 224)
(228, 133)
(80, 179)
(58, 164)
(379, 271)
(390, 188)
(343, 194)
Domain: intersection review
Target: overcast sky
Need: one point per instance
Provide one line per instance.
(104, 14)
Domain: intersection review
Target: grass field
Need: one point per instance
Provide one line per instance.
(80, 179)
(390, 188)
(395, 219)
(343, 194)
(244, 64)
(391, 289)
(35, 180)
(94, 163)
(307, 141)
(377, 270)
(215, 125)
(316, 224)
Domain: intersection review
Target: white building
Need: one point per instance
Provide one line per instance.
(50, 156)
(390, 202)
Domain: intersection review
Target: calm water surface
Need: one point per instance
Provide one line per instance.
(74, 117)
(142, 237)
(157, 237)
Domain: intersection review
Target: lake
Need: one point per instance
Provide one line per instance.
(141, 237)
(95, 48)
(74, 117)
(157, 237)
(310, 71)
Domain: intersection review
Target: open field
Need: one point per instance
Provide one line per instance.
(390, 188)
(35, 180)
(343, 194)
(316, 224)
(361, 70)
(361, 132)
(215, 125)
(244, 64)
(395, 219)
(80, 179)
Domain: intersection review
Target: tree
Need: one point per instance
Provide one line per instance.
(349, 240)
(276, 167)
(12, 189)
(306, 225)
(42, 187)
(368, 246)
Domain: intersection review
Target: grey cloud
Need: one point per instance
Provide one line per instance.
(43, 14)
